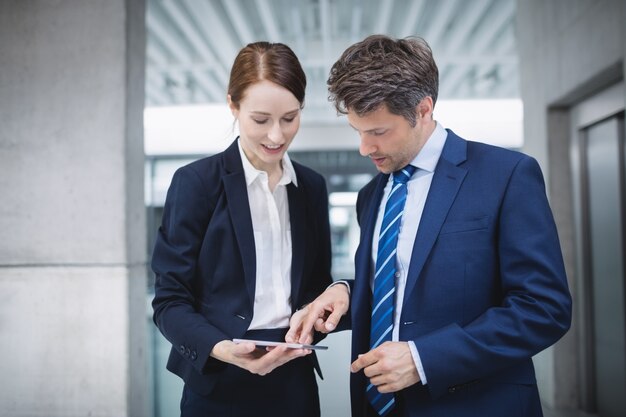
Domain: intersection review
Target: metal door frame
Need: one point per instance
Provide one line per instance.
(607, 104)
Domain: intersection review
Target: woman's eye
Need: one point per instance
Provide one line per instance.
(289, 120)
(260, 121)
(379, 132)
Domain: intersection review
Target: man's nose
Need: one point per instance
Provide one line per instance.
(366, 147)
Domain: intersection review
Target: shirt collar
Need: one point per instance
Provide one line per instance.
(289, 174)
(428, 156)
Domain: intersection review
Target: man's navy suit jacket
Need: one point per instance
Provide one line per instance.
(205, 262)
(486, 287)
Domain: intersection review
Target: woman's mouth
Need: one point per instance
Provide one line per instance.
(273, 148)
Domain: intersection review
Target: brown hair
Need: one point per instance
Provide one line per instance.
(259, 61)
(381, 70)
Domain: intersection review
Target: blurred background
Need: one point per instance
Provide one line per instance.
(100, 102)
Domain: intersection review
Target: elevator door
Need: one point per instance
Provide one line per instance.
(604, 170)
(598, 168)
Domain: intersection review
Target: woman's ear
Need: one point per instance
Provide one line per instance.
(231, 105)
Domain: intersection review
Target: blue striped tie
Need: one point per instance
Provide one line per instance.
(384, 278)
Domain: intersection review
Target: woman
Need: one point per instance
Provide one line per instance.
(244, 243)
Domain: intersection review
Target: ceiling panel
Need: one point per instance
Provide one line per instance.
(191, 43)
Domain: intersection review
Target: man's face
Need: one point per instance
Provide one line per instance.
(388, 139)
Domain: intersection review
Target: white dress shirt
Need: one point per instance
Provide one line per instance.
(418, 187)
(272, 242)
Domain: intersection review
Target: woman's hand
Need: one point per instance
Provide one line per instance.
(257, 361)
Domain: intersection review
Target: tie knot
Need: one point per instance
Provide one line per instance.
(402, 176)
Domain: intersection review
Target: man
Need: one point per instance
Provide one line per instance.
(459, 274)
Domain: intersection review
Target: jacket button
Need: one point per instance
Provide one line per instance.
(187, 352)
(194, 355)
(182, 349)
(452, 390)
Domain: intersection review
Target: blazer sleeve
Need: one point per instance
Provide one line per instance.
(186, 215)
(535, 307)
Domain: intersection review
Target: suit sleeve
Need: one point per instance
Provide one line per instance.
(535, 307)
(322, 276)
(186, 214)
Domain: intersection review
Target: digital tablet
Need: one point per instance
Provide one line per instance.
(264, 343)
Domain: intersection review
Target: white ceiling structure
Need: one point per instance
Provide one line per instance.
(191, 44)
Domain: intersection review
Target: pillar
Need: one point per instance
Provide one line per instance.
(72, 218)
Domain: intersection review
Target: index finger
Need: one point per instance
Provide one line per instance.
(295, 323)
(363, 361)
(308, 323)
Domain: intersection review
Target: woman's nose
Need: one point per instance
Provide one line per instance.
(276, 133)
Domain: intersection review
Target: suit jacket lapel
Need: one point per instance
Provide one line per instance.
(370, 221)
(297, 219)
(363, 263)
(447, 180)
(239, 208)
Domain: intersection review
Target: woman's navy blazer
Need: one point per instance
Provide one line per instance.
(205, 262)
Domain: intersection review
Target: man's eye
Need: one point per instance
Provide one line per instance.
(379, 132)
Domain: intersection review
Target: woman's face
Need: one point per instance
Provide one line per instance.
(269, 118)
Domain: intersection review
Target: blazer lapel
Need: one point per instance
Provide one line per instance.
(297, 219)
(239, 208)
(447, 180)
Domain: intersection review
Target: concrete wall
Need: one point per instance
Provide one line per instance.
(568, 50)
(72, 222)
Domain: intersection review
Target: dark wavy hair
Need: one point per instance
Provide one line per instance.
(259, 61)
(382, 70)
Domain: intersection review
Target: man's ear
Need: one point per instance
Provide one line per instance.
(425, 108)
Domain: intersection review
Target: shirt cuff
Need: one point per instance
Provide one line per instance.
(340, 282)
(418, 362)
